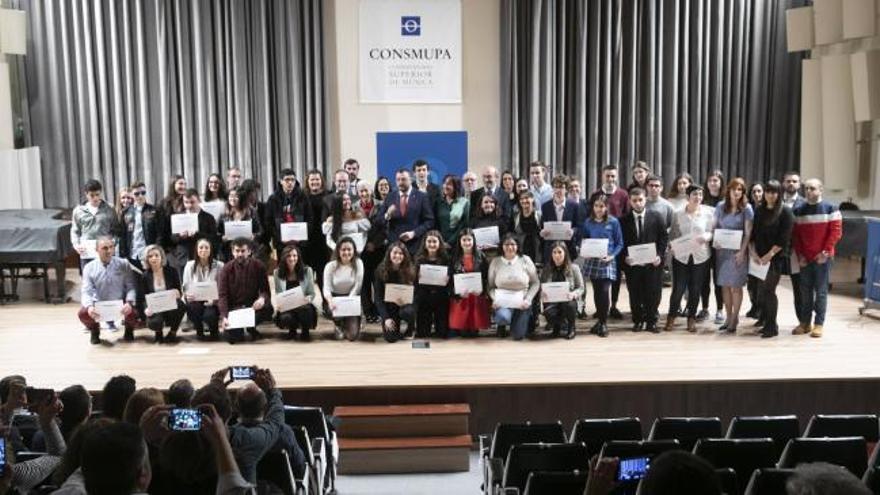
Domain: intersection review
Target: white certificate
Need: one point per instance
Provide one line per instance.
(241, 318)
(203, 291)
(109, 310)
(91, 246)
(184, 222)
(347, 306)
(642, 254)
(294, 231)
(360, 240)
(468, 282)
(161, 301)
(486, 236)
(215, 208)
(509, 298)
(555, 292)
(235, 229)
(558, 231)
(758, 270)
(399, 294)
(290, 299)
(685, 245)
(727, 239)
(594, 248)
(433, 275)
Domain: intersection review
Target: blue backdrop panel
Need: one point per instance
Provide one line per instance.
(445, 151)
(872, 263)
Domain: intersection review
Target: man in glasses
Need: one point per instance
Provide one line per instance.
(139, 226)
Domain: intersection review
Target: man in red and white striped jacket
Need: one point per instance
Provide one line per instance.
(817, 228)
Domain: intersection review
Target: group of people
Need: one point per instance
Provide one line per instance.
(501, 254)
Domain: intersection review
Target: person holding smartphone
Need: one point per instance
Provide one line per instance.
(25, 476)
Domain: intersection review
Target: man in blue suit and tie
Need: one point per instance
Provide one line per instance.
(406, 213)
(561, 208)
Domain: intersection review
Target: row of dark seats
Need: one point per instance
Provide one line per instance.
(516, 452)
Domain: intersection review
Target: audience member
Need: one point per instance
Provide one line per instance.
(104, 279)
(139, 402)
(180, 393)
(678, 472)
(242, 283)
(115, 396)
(821, 478)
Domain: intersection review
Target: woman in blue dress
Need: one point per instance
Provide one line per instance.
(732, 265)
(602, 271)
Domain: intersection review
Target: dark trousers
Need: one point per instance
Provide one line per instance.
(796, 290)
(304, 317)
(171, 319)
(768, 303)
(615, 284)
(753, 286)
(201, 314)
(432, 307)
(601, 297)
(690, 278)
(644, 284)
(371, 260)
(399, 314)
(561, 314)
(719, 298)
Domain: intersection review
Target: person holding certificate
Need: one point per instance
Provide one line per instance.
(397, 268)
(288, 204)
(561, 312)
(526, 227)
(713, 193)
(345, 221)
(602, 271)
(159, 277)
(690, 239)
(374, 250)
(107, 278)
(432, 289)
(91, 220)
(732, 262)
(562, 210)
(469, 309)
(645, 237)
(199, 272)
(770, 242)
(514, 273)
(488, 217)
(242, 283)
(182, 244)
(291, 273)
(239, 212)
(343, 277)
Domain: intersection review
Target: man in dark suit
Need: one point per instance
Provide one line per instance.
(643, 281)
(422, 173)
(561, 209)
(406, 213)
(341, 182)
(491, 186)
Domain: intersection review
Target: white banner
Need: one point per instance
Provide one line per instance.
(410, 51)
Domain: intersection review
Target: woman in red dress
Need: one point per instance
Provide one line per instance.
(469, 313)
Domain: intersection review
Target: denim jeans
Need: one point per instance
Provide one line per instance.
(517, 319)
(814, 292)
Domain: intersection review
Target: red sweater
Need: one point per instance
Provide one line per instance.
(618, 203)
(817, 228)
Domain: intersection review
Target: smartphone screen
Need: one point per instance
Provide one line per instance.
(242, 372)
(2, 456)
(633, 468)
(185, 420)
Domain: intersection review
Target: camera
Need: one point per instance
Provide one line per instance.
(185, 420)
(242, 372)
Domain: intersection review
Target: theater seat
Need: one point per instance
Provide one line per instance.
(741, 455)
(494, 451)
(314, 476)
(729, 481)
(526, 458)
(274, 471)
(845, 425)
(624, 449)
(780, 428)
(768, 481)
(848, 452)
(686, 430)
(595, 432)
(323, 439)
(556, 483)
(872, 480)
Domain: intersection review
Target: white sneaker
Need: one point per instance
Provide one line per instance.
(719, 317)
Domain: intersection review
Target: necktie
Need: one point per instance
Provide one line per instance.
(403, 205)
(639, 227)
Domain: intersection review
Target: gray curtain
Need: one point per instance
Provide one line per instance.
(121, 90)
(686, 85)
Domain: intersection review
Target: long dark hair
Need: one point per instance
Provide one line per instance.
(298, 270)
(317, 172)
(221, 193)
(457, 189)
(338, 215)
(377, 196)
(596, 198)
(673, 190)
(173, 202)
(422, 253)
(707, 192)
(346, 240)
(483, 214)
(566, 263)
(243, 204)
(386, 268)
(769, 215)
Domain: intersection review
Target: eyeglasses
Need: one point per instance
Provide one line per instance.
(811, 188)
(139, 193)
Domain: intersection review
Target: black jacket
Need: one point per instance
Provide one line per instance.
(278, 205)
(172, 281)
(653, 230)
(149, 223)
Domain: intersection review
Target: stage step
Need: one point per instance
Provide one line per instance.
(422, 420)
(422, 438)
(440, 454)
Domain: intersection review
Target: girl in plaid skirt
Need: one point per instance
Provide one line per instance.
(602, 271)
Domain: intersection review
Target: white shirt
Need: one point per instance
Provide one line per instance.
(700, 223)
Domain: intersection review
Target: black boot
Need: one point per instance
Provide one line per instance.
(171, 338)
(159, 337)
(569, 331)
(128, 336)
(502, 331)
(602, 331)
(96, 337)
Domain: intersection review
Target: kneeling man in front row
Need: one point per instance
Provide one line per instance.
(108, 291)
(243, 284)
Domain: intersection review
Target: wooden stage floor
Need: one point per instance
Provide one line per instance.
(48, 345)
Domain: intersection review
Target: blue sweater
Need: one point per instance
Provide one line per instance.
(608, 230)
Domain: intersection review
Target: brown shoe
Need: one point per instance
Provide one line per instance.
(692, 325)
(816, 332)
(800, 330)
(670, 323)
